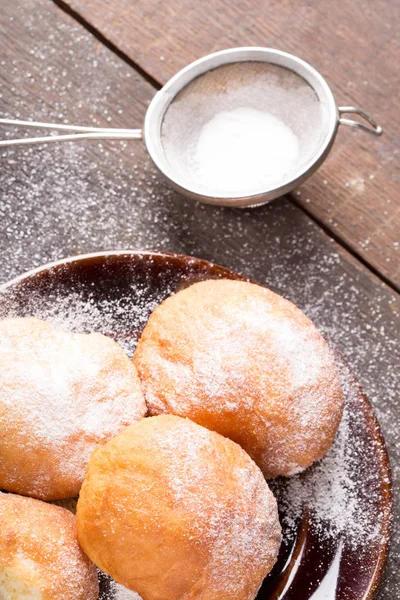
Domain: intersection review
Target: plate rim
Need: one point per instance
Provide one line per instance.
(107, 253)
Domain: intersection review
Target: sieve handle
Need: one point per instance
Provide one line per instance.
(372, 126)
(77, 132)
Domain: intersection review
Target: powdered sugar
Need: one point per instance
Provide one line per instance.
(242, 128)
(119, 592)
(244, 148)
(119, 318)
(110, 590)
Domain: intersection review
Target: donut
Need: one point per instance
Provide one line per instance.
(40, 557)
(61, 394)
(241, 360)
(174, 511)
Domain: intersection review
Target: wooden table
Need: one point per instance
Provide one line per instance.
(332, 247)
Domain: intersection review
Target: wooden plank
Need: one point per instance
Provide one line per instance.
(65, 199)
(355, 46)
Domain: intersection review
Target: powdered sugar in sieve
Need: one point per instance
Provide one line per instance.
(242, 128)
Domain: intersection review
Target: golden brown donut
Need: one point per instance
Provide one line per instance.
(61, 394)
(174, 511)
(40, 557)
(239, 359)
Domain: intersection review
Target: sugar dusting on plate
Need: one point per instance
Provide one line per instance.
(110, 590)
(120, 319)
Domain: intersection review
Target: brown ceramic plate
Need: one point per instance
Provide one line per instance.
(336, 516)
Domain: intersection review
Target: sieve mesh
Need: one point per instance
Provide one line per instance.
(242, 128)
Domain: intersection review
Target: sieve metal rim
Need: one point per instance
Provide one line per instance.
(163, 98)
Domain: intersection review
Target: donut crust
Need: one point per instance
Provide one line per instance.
(61, 394)
(241, 360)
(40, 556)
(172, 510)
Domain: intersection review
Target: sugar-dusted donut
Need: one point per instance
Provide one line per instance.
(40, 557)
(239, 359)
(61, 394)
(172, 510)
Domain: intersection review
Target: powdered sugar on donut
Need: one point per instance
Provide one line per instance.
(243, 361)
(237, 534)
(39, 551)
(201, 500)
(61, 394)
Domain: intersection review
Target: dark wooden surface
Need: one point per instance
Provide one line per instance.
(73, 198)
(355, 45)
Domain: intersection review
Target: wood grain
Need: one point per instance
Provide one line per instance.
(355, 45)
(65, 199)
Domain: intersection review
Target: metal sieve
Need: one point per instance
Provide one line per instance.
(287, 89)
